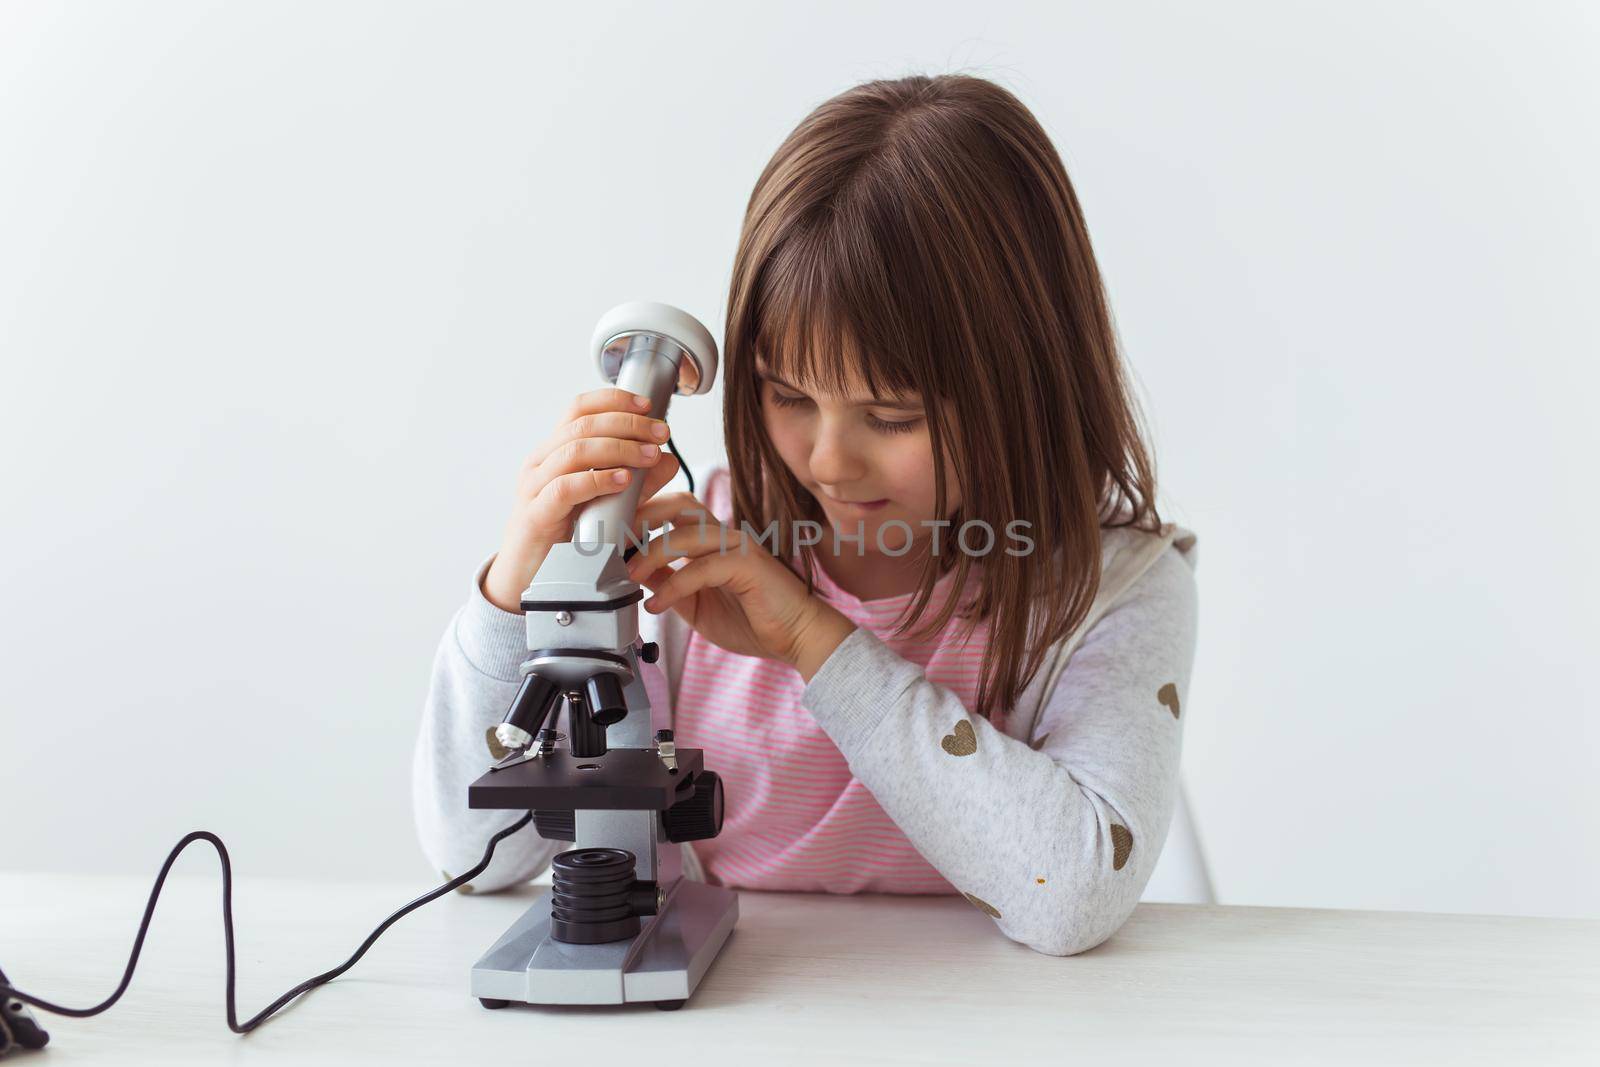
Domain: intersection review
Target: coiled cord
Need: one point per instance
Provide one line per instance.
(227, 930)
(7, 990)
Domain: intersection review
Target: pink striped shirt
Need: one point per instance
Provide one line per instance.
(795, 818)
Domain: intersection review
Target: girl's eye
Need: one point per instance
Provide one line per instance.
(787, 401)
(881, 425)
(891, 427)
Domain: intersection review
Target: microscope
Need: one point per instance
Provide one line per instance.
(619, 923)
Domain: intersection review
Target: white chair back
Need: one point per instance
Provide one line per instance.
(1181, 875)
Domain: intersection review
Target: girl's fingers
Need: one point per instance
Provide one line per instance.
(602, 418)
(689, 540)
(581, 453)
(655, 478)
(683, 510)
(672, 507)
(686, 514)
(656, 577)
(686, 581)
(626, 424)
(610, 398)
(553, 506)
(658, 475)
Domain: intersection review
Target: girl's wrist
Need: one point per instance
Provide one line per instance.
(498, 582)
(818, 640)
(498, 599)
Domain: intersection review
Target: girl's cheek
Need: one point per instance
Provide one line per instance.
(787, 440)
(915, 473)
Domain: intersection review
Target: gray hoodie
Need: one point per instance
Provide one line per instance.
(1081, 780)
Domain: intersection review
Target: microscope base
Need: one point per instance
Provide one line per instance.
(664, 963)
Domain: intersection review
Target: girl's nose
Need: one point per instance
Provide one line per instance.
(833, 459)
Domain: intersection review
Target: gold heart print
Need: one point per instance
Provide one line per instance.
(496, 749)
(960, 742)
(983, 906)
(1169, 698)
(1121, 845)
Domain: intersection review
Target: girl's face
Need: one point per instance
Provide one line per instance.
(867, 460)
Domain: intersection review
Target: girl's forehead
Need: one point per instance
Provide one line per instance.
(832, 369)
(853, 389)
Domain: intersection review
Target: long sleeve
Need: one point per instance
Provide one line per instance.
(476, 672)
(475, 676)
(1054, 842)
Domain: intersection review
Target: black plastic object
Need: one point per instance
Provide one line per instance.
(623, 779)
(17, 1026)
(532, 705)
(606, 702)
(585, 738)
(556, 825)
(11, 995)
(697, 816)
(594, 897)
(614, 604)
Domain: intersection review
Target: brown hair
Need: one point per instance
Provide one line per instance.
(923, 231)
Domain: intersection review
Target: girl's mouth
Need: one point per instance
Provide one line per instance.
(860, 505)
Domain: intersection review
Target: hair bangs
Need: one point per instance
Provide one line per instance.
(825, 320)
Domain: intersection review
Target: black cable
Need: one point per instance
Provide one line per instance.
(6, 990)
(632, 550)
(227, 930)
(681, 464)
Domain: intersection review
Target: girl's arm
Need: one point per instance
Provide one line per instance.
(475, 677)
(1054, 843)
(476, 672)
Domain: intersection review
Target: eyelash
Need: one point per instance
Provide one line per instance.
(876, 423)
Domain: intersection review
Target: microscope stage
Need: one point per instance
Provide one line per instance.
(624, 779)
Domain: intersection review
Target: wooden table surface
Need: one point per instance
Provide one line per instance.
(804, 979)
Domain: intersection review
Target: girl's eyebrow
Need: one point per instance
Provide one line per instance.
(898, 404)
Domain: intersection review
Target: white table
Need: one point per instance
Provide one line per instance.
(804, 979)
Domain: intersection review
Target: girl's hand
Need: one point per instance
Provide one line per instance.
(602, 433)
(732, 590)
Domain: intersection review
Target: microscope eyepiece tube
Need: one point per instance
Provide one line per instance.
(649, 368)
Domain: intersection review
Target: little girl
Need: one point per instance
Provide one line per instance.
(967, 674)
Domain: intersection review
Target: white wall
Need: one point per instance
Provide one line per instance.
(288, 291)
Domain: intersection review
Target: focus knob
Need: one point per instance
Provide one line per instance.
(697, 816)
(556, 825)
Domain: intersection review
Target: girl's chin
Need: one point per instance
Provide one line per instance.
(873, 532)
(846, 520)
